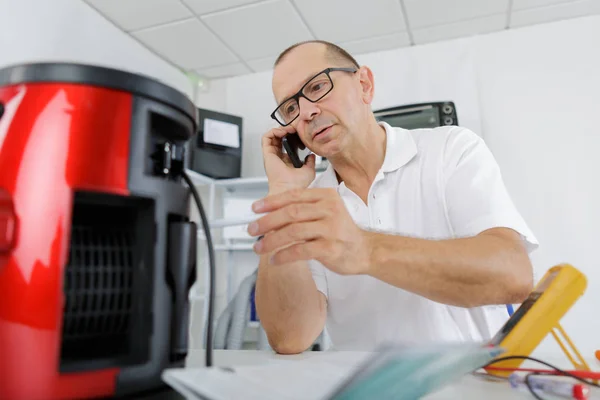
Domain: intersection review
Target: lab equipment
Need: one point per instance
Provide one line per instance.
(97, 252)
(539, 315)
(419, 115)
(217, 150)
(551, 386)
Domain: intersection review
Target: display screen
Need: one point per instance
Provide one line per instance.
(221, 133)
(522, 310)
(428, 118)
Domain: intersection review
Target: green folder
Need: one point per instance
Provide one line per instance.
(400, 373)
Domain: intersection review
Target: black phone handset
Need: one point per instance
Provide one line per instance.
(291, 144)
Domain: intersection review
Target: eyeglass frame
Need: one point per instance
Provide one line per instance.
(300, 94)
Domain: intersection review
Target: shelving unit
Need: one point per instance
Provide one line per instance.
(254, 188)
(241, 187)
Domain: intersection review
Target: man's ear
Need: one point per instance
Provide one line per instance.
(367, 84)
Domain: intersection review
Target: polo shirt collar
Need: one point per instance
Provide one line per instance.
(400, 148)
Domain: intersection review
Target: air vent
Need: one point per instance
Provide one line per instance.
(106, 280)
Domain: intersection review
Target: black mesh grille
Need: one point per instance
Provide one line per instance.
(99, 282)
(106, 282)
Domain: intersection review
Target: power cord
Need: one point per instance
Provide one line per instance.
(529, 375)
(211, 262)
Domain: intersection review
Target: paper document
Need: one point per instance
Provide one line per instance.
(400, 373)
(234, 221)
(281, 380)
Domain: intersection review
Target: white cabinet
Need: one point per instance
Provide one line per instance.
(228, 200)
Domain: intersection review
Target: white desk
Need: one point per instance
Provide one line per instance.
(468, 388)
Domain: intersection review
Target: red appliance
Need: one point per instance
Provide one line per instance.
(97, 253)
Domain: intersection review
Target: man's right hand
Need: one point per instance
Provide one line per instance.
(281, 173)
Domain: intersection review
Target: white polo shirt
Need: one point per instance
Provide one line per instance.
(437, 183)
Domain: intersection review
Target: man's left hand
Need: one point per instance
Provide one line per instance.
(311, 224)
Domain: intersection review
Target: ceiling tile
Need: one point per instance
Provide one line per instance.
(426, 13)
(556, 12)
(134, 14)
(224, 71)
(460, 29)
(522, 4)
(379, 43)
(262, 64)
(268, 28)
(189, 44)
(208, 6)
(338, 20)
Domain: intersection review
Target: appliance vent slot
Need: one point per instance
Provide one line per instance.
(107, 283)
(99, 283)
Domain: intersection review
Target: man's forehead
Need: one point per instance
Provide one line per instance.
(296, 68)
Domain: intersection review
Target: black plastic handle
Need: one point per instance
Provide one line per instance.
(182, 271)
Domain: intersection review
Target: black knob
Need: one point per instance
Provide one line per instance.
(447, 109)
(1, 109)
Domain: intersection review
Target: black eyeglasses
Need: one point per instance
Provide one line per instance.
(314, 90)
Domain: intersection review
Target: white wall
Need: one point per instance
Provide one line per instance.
(540, 96)
(537, 100)
(71, 31)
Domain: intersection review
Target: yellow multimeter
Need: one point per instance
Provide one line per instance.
(539, 315)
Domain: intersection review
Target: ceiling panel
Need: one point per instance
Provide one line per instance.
(557, 12)
(188, 44)
(460, 29)
(221, 38)
(261, 30)
(522, 4)
(426, 13)
(377, 43)
(207, 6)
(262, 64)
(133, 14)
(346, 20)
(224, 71)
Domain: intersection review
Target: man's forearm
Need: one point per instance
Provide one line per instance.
(290, 307)
(486, 269)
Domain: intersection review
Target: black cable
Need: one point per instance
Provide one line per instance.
(211, 262)
(562, 372)
(528, 383)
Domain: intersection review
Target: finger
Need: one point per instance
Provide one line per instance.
(310, 161)
(271, 144)
(288, 235)
(277, 201)
(271, 141)
(304, 251)
(280, 132)
(293, 213)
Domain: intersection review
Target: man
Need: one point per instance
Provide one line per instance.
(408, 236)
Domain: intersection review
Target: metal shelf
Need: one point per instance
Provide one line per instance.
(234, 247)
(255, 184)
(259, 183)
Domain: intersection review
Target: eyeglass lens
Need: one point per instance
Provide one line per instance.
(314, 90)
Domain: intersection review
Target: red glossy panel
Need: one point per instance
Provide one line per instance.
(8, 222)
(55, 139)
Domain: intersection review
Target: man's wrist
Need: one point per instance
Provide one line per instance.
(277, 189)
(369, 246)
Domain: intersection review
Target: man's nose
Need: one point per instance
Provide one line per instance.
(308, 109)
